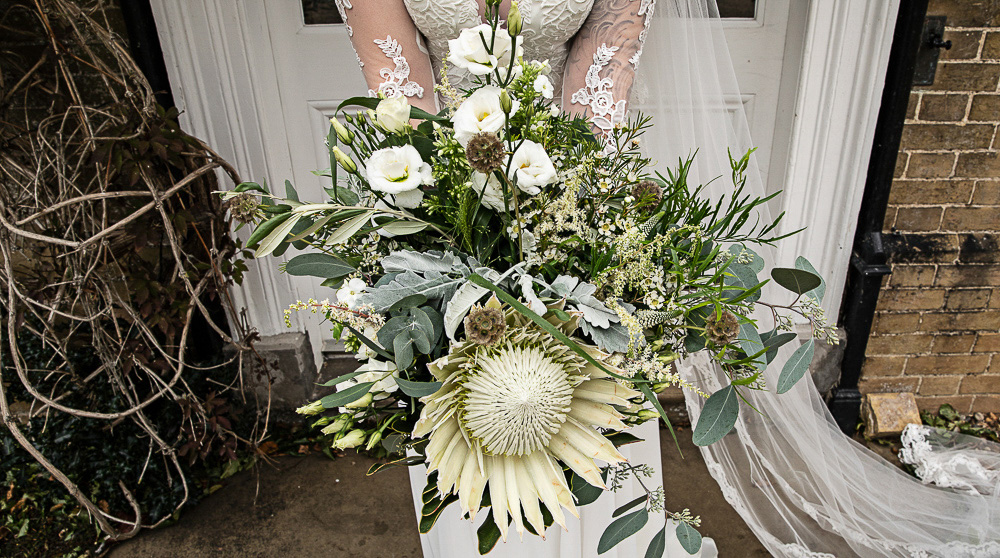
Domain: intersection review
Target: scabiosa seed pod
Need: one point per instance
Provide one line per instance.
(648, 193)
(722, 328)
(485, 326)
(243, 207)
(485, 152)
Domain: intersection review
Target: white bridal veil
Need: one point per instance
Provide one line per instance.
(804, 488)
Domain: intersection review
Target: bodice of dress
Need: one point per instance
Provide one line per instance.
(548, 27)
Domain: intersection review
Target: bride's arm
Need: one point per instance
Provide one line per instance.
(603, 58)
(386, 41)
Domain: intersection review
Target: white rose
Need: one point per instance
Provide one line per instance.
(490, 191)
(395, 170)
(393, 114)
(469, 52)
(532, 167)
(544, 86)
(481, 112)
(348, 294)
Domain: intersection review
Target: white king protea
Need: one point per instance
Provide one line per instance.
(507, 411)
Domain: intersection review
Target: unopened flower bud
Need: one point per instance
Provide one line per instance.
(344, 160)
(647, 414)
(340, 424)
(514, 20)
(659, 387)
(343, 134)
(352, 439)
(374, 439)
(505, 103)
(361, 403)
(313, 408)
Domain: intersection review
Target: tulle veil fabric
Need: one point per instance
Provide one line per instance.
(803, 487)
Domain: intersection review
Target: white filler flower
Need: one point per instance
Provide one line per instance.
(348, 294)
(543, 86)
(393, 114)
(507, 412)
(399, 171)
(481, 112)
(532, 167)
(469, 52)
(490, 192)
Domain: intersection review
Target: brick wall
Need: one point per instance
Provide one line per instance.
(938, 316)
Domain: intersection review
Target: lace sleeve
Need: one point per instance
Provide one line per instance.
(603, 59)
(390, 50)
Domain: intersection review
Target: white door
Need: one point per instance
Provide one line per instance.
(260, 79)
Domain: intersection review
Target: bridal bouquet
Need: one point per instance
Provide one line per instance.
(517, 288)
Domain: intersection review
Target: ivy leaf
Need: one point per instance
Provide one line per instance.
(417, 389)
(319, 265)
(689, 537)
(796, 366)
(718, 416)
(349, 395)
(796, 280)
(621, 529)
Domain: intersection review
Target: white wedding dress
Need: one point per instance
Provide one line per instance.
(548, 28)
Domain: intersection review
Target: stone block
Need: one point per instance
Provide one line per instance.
(968, 276)
(896, 323)
(291, 370)
(991, 46)
(987, 343)
(961, 403)
(907, 344)
(942, 137)
(908, 300)
(917, 219)
(961, 343)
(930, 365)
(985, 108)
(961, 321)
(968, 299)
(912, 275)
(978, 165)
(944, 108)
(883, 366)
(939, 385)
(887, 385)
(886, 414)
(968, 219)
(911, 106)
(930, 165)
(926, 192)
(966, 76)
(901, 161)
(984, 383)
(986, 404)
(987, 192)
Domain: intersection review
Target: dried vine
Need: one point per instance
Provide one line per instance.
(93, 178)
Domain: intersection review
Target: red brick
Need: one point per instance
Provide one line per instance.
(960, 321)
(964, 45)
(888, 385)
(985, 108)
(896, 323)
(986, 192)
(978, 165)
(942, 137)
(910, 219)
(968, 276)
(899, 344)
(966, 76)
(930, 165)
(961, 403)
(927, 192)
(946, 364)
(939, 385)
(953, 343)
(970, 299)
(883, 366)
(912, 275)
(991, 46)
(988, 343)
(983, 383)
(901, 300)
(986, 404)
(967, 219)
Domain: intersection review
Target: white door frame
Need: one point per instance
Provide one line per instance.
(227, 93)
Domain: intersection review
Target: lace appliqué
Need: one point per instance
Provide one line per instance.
(646, 9)
(342, 7)
(947, 469)
(397, 80)
(597, 93)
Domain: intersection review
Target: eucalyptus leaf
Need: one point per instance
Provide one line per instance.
(718, 416)
(626, 507)
(411, 301)
(658, 545)
(349, 395)
(402, 348)
(819, 292)
(689, 537)
(318, 264)
(621, 529)
(774, 341)
(796, 280)
(417, 389)
(751, 344)
(756, 263)
(796, 366)
(745, 279)
(340, 379)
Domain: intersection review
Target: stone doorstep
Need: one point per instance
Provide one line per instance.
(293, 371)
(887, 414)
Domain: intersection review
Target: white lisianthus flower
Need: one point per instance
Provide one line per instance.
(481, 112)
(469, 52)
(348, 294)
(381, 372)
(532, 167)
(543, 86)
(393, 114)
(352, 439)
(398, 170)
(490, 191)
